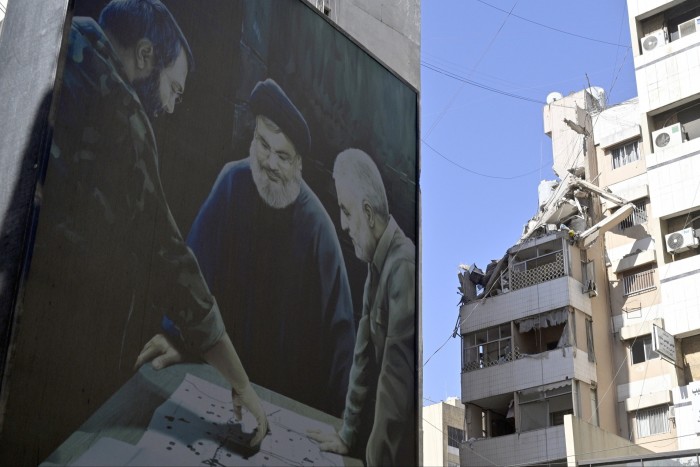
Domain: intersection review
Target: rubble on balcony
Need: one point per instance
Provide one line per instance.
(565, 211)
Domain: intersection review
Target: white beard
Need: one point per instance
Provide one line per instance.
(279, 194)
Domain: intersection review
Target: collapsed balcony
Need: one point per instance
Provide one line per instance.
(519, 412)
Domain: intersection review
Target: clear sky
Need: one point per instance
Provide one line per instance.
(487, 68)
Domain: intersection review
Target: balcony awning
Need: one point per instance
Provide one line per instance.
(545, 320)
(544, 392)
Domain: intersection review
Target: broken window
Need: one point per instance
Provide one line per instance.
(589, 340)
(543, 332)
(588, 273)
(642, 350)
(545, 406)
(486, 347)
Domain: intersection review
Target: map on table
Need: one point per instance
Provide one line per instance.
(196, 426)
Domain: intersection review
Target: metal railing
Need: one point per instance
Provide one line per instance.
(538, 274)
(639, 282)
(638, 216)
(485, 362)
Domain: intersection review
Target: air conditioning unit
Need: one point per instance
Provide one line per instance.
(689, 27)
(654, 40)
(667, 137)
(683, 240)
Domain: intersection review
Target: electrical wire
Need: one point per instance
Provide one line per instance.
(497, 177)
(553, 28)
(471, 82)
(476, 65)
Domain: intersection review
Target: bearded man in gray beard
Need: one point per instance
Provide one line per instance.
(270, 254)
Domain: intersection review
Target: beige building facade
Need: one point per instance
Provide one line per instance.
(443, 433)
(586, 334)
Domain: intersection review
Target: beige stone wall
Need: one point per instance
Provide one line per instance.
(587, 442)
(690, 347)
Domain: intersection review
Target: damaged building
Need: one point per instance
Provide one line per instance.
(586, 332)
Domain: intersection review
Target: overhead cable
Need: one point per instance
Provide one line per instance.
(554, 29)
(498, 177)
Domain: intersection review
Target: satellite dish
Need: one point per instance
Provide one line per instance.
(553, 96)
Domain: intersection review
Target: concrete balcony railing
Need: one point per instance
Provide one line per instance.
(668, 73)
(672, 178)
(521, 303)
(680, 295)
(531, 447)
(526, 372)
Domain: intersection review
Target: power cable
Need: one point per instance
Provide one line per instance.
(465, 80)
(476, 65)
(553, 28)
(497, 177)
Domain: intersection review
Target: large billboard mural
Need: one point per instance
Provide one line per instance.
(224, 266)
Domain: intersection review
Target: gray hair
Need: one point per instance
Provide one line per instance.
(357, 167)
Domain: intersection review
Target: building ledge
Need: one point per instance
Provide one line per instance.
(633, 261)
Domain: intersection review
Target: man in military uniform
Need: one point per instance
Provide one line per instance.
(109, 260)
(379, 420)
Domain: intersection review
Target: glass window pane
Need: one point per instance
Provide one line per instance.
(648, 349)
(638, 351)
(505, 330)
(491, 350)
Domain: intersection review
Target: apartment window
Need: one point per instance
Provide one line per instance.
(594, 406)
(625, 154)
(642, 351)
(679, 15)
(638, 280)
(454, 436)
(652, 421)
(487, 347)
(638, 216)
(557, 418)
(588, 273)
(589, 340)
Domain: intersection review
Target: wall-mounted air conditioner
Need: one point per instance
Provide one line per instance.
(683, 240)
(654, 40)
(667, 137)
(689, 27)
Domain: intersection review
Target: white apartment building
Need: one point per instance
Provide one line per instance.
(443, 433)
(583, 341)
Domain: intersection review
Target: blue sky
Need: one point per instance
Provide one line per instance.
(487, 68)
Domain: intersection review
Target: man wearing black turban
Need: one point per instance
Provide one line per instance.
(271, 256)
